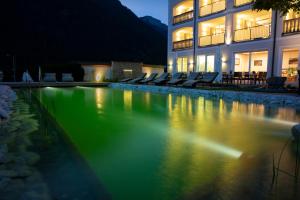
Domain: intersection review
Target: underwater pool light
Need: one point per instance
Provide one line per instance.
(216, 147)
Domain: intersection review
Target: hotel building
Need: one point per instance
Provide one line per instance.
(228, 36)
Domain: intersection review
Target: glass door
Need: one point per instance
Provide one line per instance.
(205, 63)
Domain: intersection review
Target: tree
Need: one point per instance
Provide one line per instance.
(283, 6)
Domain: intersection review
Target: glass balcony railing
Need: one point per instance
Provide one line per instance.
(242, 2)
(183, 44)
(183, 17)
(291, 26)
(212, 8)
(252, 33)
(209, 40)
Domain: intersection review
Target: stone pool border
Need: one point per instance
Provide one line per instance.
(268, 99)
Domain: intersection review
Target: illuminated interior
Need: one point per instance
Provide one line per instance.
(185, 33)
(212, 32)
(250, 25)
(251, 62)
(291, 22)
(208, 7)
(183, 7)
(182, 64)
(205, 63)
(242, 2)
(292, 15)
(183, 38)
(290, 64)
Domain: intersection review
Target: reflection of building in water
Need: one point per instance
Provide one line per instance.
(128, 100)
(99, 98)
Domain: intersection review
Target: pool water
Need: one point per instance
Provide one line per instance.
(148, 146)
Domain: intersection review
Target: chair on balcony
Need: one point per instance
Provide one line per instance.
(262, 78)
(149, 79)
(226, 78)
(237, 77)
(206, 79)
(138, 79)
(161, 79)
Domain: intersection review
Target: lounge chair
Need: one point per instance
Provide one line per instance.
(162, 79)
(138, 79)
(176, 76)
(192, 76)
(125, 80)
(207, 78)
(67, 78)
(149, 79)
(49, 77)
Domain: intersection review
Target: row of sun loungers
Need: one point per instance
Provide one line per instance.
(51, 77)
(192, 80)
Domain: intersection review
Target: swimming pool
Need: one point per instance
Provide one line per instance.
(151, 146)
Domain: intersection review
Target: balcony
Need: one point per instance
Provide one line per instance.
(253, 33)
(214, 7)
(291, 26)
(183, 17)
(183, 44)
(209, 40)
(238, 3)
(183, 11)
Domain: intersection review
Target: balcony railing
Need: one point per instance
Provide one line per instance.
(183, 17)
(242, 2)
(183, 44)
(212, 39)
(214, 7)
(291, 26)
(252, 33)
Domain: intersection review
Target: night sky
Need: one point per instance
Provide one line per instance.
(154, 8)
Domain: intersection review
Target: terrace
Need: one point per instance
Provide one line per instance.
(183, 12)
(209, 7)
(252, 25)
(183, 38)
(212, 32)
(291, 23)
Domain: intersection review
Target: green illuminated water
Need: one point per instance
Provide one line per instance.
(150, 146)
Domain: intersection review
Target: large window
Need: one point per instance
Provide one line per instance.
(182, 64)
(290, 64)
(205, 63)
(212, 32)
(251, 25)
(251, 62)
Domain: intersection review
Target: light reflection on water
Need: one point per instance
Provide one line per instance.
(150, 146)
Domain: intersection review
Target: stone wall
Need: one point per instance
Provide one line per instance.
(7, 96)
(277, 100)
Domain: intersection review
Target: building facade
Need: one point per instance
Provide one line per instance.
(228, 36)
